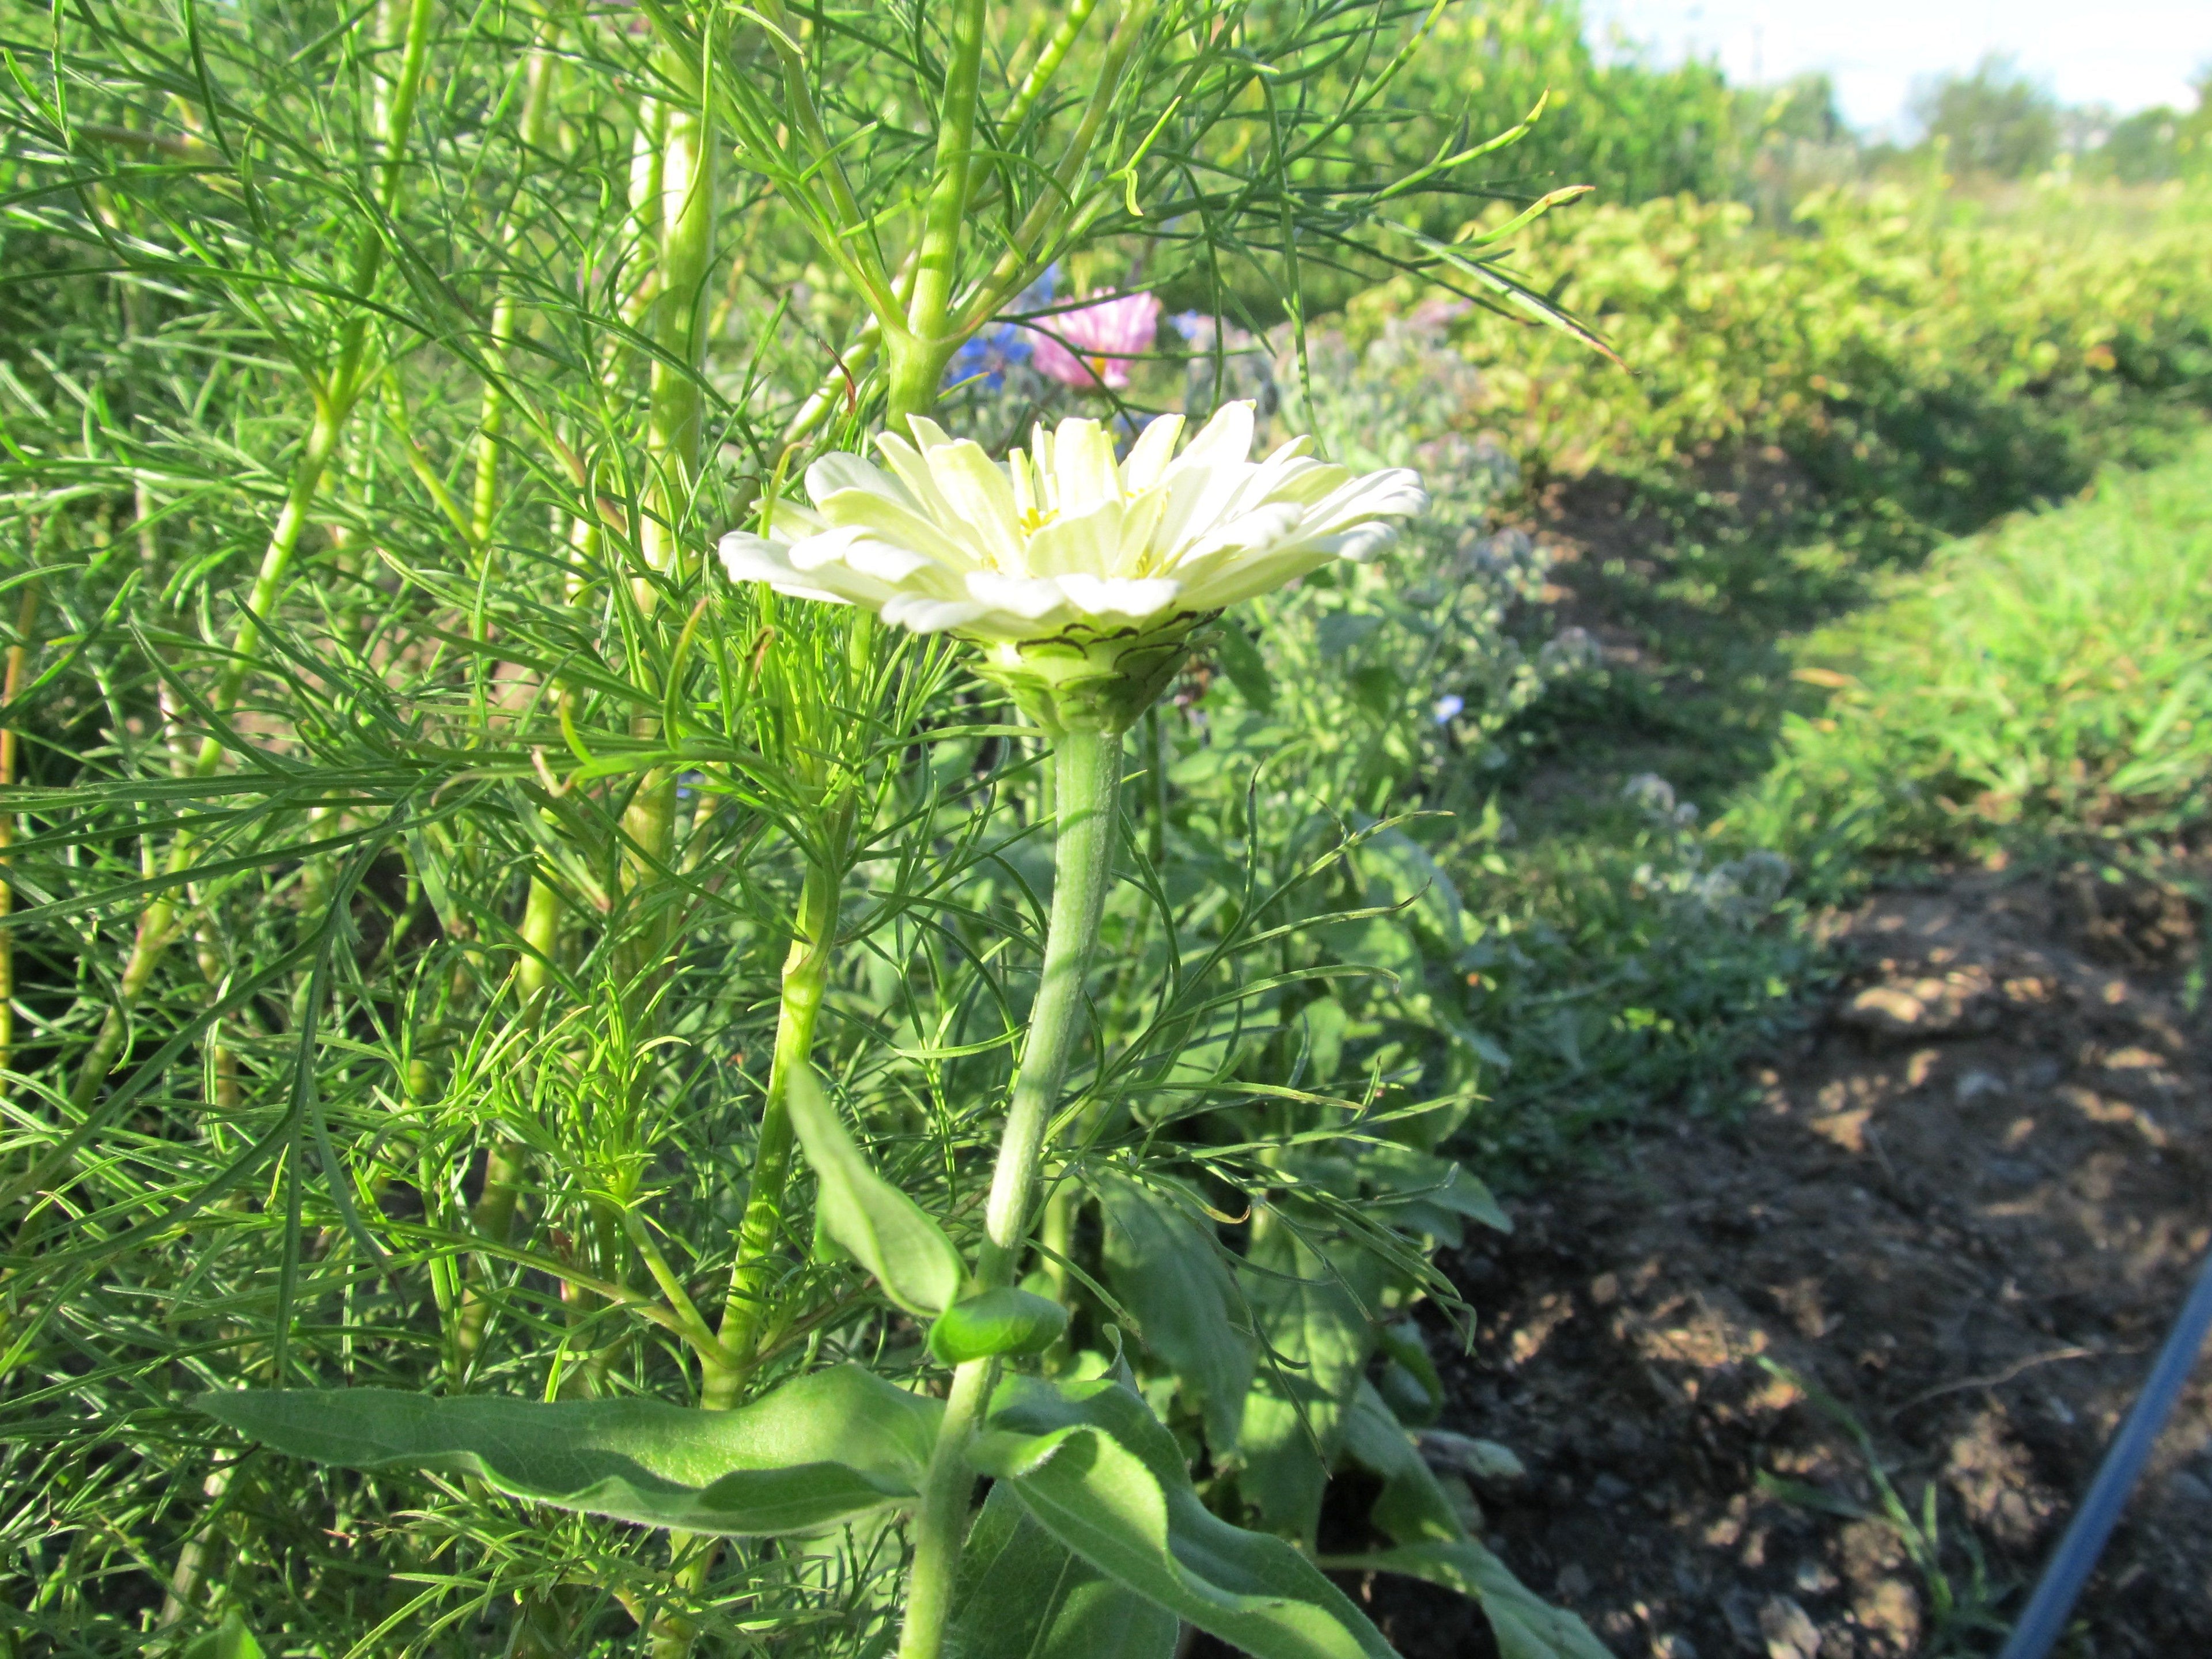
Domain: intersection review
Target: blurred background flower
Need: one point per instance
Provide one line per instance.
(985, 358)
(1090, 348)
(982, 364)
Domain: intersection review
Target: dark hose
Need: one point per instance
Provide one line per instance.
(2044, 1620)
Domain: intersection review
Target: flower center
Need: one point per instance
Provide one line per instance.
(1034, 519)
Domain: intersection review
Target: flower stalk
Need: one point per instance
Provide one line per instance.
(1087, 772)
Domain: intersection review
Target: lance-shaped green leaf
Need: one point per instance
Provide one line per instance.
(835, 1443)
(887, 1232)
(231, 1639)
(1411, 1507)
(1430, 1195)
(1096, 1469)
(1433, 1544)
(1024, 1595)
(1247, 669)
(1170, 1275)
(1307, 1298)
(1409, 1385)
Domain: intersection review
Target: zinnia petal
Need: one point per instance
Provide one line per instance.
(841, 471)
(750, 558)
(1087, 540)
(1032, 598)
(1121, 596)
(927, 616)
(1149, 455)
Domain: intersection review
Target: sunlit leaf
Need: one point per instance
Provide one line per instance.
(1433, 1183)
(1245, 668)
(231, 1639)
(1409, 1385)
(1411, 1507)
(1526, 1625)
(1404, 870)
(887, 1232)
(1433, 1544)
(1004, 1320)
(1305, 1309)
(830, 1444)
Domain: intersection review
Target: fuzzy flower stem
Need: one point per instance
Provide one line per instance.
(1087, 769)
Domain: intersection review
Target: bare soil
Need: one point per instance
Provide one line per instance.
(1967, 1208)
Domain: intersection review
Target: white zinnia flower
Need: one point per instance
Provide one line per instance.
(1081, 576)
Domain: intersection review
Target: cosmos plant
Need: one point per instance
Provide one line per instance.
(429, 555)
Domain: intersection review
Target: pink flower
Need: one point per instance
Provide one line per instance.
(1106, 335)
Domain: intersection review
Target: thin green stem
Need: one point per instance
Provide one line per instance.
(798, 91)
(19, 654)
(1087, 767)
(506, 1166)
(940, 1520)
(918, 358)
(537, 121)
(745, 1323)
(1048, 62)
(674, 411)
(675, 406)
(541, 935)
(1054, 208)
(761, 1233)
(1156, 788)
(505, 1171)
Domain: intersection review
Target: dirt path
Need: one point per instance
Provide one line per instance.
(1966, 1209)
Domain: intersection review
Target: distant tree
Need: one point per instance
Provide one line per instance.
(2144, 147)
(1804, 108)
(1994, 121)
(2150, 146)
(2193, 145)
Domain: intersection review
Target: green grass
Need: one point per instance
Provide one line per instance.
(2044, 687)
(2051, 679)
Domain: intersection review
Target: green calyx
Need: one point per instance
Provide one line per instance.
(996, 1323)
(1092, 679)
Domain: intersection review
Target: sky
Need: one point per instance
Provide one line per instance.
(2129, 54)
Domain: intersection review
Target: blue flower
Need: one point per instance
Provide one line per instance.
(1039, 293)
(988, 355)
(1448, 709)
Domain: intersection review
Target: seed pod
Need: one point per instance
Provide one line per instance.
(1000, 1321)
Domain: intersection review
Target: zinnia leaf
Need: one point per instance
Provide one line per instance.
(834, 1443)
(887, 1232)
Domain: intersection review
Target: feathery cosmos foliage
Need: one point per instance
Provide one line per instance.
(435, 889)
